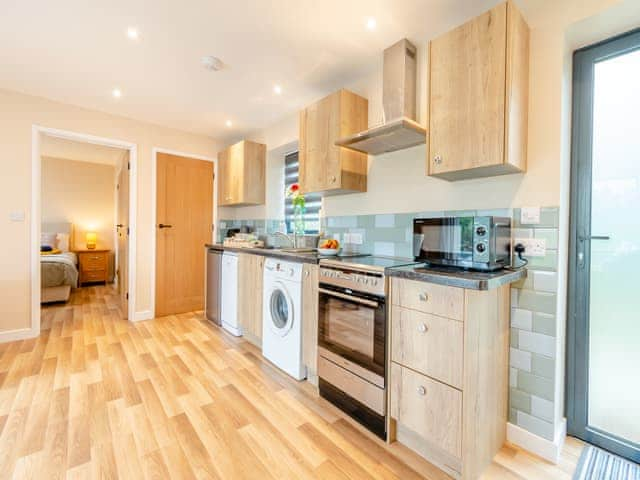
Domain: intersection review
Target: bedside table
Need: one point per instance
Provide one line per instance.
(93, 265)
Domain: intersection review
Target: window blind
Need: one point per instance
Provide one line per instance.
(313, 200)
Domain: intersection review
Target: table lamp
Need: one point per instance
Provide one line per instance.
(92, 239)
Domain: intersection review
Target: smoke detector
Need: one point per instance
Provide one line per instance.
(212, 63)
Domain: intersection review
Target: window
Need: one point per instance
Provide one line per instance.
(313, 201)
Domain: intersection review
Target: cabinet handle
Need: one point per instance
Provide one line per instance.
(422, 328)
(306, 273)
(437, 159)
(422, 391)
(423, 297)
(333, 179)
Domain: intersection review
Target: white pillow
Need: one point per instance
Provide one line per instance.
(49, 240)
(63, 242)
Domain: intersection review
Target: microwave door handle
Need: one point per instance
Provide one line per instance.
(363, 301)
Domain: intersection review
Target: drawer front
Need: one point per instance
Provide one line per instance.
(94, 276)
(428, 298)
(428, 408)
(366, 393)
(427, 343)
(93, 261)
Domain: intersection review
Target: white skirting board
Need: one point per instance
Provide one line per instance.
(540, 446)
(18, 334)
(143, 315)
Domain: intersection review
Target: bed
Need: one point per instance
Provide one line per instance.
(58, 268)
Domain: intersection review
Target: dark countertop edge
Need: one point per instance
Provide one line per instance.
(461, 279)
(293, 257)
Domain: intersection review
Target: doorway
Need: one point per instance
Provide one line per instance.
(603, 332)
(184, 223)
(70, 144)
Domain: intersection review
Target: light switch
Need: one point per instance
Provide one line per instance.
(16, 216)
(530, 215)
(356, 238)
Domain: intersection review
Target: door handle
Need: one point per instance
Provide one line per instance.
(595, 237)
(119, 225)
(163, 225)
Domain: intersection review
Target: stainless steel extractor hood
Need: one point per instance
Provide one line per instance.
(400, 129)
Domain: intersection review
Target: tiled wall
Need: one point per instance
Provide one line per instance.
(533, 300)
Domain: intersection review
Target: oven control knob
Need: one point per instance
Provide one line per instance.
(481, 231)
(481, 247)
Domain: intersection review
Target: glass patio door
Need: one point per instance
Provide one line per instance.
(603, 388)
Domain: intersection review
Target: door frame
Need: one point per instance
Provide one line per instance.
(154, 207)
(36, 211)
(577, 372)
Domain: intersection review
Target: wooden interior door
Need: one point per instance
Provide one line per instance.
(467, 94)
(122, 228)
(184, 224)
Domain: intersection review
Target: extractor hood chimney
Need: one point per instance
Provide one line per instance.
(399, 129)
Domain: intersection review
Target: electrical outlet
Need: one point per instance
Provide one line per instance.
(356, 239)
(533, 247)
(530, 215)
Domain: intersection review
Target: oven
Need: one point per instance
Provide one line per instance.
(352, 324)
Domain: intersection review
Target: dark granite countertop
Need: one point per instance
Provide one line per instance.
(457, 278)
(311, 257)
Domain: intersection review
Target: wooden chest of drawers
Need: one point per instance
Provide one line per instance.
(93, 265)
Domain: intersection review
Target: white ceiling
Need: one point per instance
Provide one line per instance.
(77, 52)
(57, 147)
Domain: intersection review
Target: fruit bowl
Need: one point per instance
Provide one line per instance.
(328, 251)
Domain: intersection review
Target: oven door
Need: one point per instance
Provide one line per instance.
(353, 326)
(444, 241)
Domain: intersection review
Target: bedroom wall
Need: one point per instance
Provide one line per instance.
(18, 114)
(81, 193)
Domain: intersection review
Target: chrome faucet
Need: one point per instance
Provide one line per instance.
(292, 239)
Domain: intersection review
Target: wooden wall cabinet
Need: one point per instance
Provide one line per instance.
(324, 166)
(449, 373)
(241, 174)
(250, 282)
(310, 279)
(478, 97)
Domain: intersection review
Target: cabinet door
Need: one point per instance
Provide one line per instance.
(467, 95)
(250, 295)
(223, 178)
(236, 168)
(310, 318)
(315, 143)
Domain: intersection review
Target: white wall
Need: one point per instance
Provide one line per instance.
(81, 193)
(18, 113)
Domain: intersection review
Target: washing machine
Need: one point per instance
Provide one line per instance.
(282, 316)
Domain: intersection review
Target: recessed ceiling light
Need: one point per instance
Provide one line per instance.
(117, 93)
(277, 89)
(229, 123)
(371, 23)
(132, 33)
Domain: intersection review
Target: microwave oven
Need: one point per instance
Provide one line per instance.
(475, 243)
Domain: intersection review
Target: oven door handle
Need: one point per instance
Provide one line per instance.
(363, 301)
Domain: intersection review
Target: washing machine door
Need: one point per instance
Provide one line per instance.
(280, 310)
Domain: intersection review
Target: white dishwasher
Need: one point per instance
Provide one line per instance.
(229, 294)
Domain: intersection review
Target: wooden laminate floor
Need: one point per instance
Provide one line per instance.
(97, 397)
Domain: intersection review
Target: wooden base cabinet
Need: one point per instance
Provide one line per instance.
(449, 373)
(478, 97)
(310, 279)
(324, 166)
(250, 283)
(241, 174)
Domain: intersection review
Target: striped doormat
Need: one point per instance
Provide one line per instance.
(596, 464)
